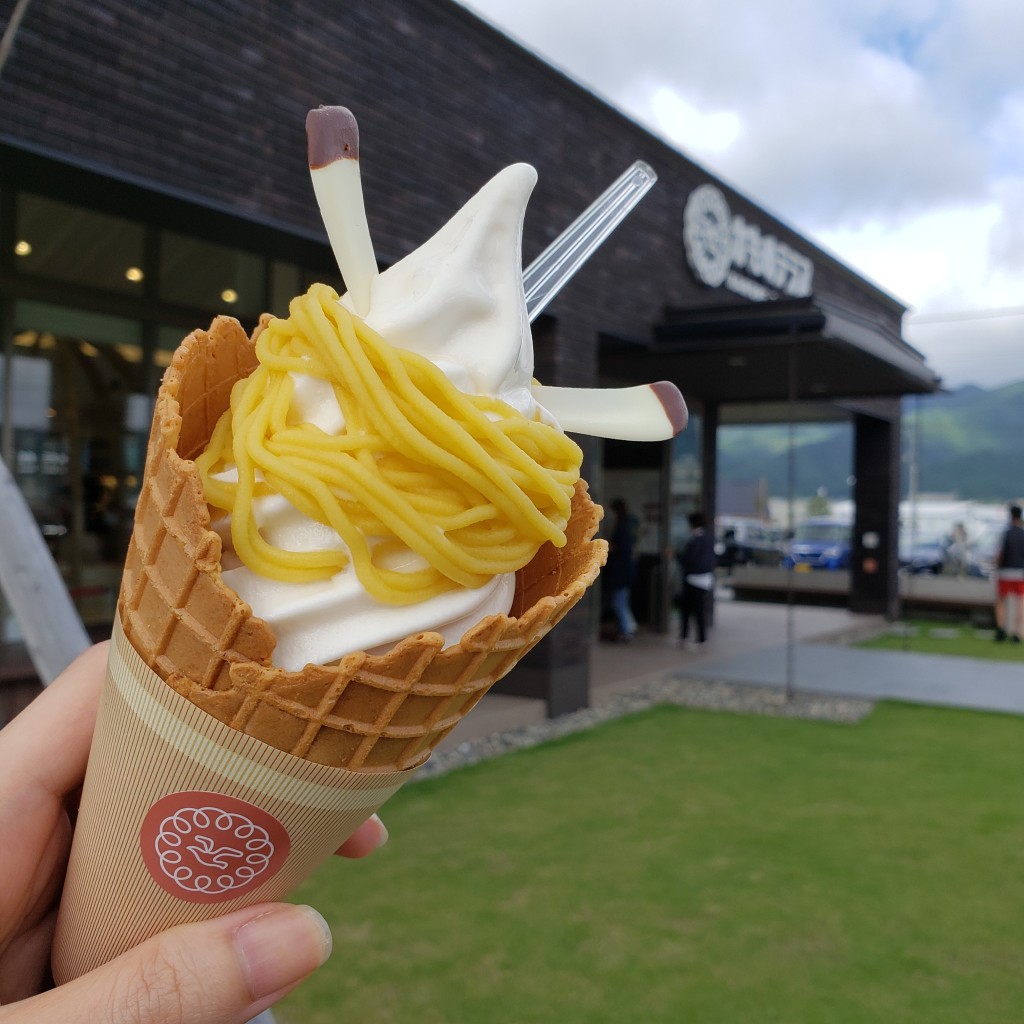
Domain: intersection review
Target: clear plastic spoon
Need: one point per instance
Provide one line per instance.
(546, 275)
(649, 412)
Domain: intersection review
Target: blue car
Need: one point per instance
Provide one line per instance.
(820, 543)
(923, 554)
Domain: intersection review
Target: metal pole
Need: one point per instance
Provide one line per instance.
(666, 554)
(912, 488)
(790, 525)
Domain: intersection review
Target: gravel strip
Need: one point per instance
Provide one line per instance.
(711, 696)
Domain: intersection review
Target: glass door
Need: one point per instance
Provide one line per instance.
(75, 422)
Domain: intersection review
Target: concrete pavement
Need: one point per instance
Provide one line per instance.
(934, 679)
(760, 644)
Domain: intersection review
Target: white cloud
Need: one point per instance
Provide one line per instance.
(942, 264)
(852, 144)
(987, 351)
(1006, 238)
(684, 124)
(936, 261)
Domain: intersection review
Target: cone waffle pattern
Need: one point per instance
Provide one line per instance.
(367, 713)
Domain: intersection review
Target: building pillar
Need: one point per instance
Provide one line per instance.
(557, 670)
(709, 479)
(666, 554)
(874, 583)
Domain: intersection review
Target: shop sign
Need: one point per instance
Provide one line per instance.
(724, 250)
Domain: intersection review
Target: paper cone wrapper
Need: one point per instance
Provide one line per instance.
(183, 818)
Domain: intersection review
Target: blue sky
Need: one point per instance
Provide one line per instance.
(889, 131)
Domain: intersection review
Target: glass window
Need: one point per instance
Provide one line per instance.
(42, 316)
(285, 283)
(84, 247)
(78, 423)
(288, 280)
(167, 340)
(331, 277)
(686, 480)
(210, 276)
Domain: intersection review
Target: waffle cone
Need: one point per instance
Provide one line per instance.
(367, 713)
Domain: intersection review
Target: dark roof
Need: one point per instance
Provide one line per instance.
(803, 349)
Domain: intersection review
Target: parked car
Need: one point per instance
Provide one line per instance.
(740, 541)
(822, 542)
(923, 553)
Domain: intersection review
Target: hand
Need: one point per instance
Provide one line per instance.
(224, 971)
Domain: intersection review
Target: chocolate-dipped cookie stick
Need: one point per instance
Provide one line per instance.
(647, 412)
(333, 146)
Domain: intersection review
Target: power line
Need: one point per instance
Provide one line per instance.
(965, 314)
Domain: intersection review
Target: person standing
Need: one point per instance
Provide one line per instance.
(1010, 576)
(697, 562)
(618, 572)
(957, 551)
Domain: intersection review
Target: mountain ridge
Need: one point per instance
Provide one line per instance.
(968, 442)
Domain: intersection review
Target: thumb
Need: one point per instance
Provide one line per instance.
(224, 971)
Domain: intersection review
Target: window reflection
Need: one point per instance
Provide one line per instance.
(167, 340)
(285, 284)
(77, 386)
(80, 246)
(77, 421)
(194, 272)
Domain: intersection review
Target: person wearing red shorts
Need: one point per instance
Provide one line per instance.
(1010, 576)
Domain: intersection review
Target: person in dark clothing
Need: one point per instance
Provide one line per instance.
(618, 572)
(697, 563)
(1010, 576)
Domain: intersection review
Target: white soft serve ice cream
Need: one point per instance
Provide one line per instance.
(457, 300)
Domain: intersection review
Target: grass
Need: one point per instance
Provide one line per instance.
(683, 865)
(958, 639)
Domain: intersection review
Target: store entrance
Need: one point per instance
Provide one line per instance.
(75, 418)
(660, 484)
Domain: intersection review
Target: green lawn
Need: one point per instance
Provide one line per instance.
(959, 639)
(687, 866)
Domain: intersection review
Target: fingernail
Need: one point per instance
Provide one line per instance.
(280, 947)
(382, 832)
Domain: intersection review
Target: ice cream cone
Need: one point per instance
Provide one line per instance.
(375, 713)
(215, 779)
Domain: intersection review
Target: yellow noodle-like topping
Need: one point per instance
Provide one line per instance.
(465, 481)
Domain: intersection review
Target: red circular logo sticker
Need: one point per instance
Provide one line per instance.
(207, 848)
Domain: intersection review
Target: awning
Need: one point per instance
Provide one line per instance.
(746, 354)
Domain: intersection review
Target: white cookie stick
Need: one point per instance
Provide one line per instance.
(647, 412)
(333, 147)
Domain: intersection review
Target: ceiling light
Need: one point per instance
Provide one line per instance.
(130, 353)
(134, 274)
(22, 248)
(229, 295)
